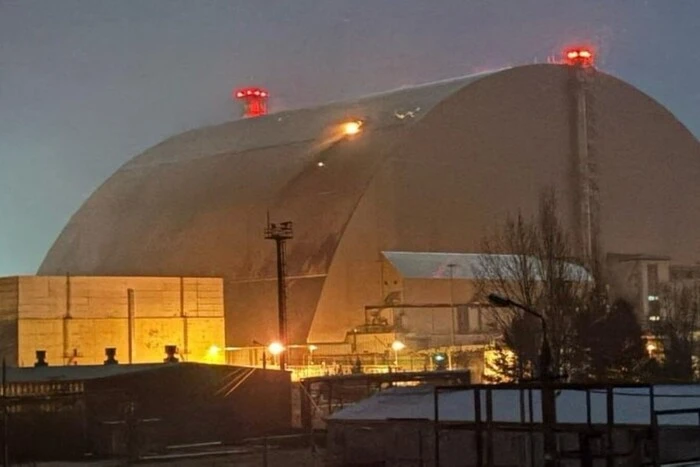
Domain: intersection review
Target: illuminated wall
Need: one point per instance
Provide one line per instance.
(75, 318)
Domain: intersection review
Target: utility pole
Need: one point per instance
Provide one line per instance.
(451, 266)
(546, 377)
(280, 233)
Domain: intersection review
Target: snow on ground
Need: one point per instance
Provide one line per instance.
(632, 405)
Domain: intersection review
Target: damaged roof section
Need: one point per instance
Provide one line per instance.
(472, 266)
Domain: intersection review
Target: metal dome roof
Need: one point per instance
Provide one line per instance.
(434, 169)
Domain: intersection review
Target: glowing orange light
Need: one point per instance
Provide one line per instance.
(254, 100)
(275, 348)
(352, 128)
(580, 56)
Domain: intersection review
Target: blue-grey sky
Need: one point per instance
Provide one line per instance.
(87, 84)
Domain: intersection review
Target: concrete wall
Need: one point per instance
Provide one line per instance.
(8, 317)
(75, 318)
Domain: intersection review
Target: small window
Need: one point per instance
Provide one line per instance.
(469, 319)
(463, 320)
(653, 279)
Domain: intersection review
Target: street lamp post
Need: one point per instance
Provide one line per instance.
(264, 354)
(277, 349)
(311, 353)
(397, 346)
(451, 266)
(545, 377)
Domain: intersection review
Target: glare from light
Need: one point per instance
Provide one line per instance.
(398, 346)
(352, 128)
(439, 357)
(651, 347)
(580, 56)
(275, 348)
(654, 318)
(321, 164)
(312, 348)
(213, 351)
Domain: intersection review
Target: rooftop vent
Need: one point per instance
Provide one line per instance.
(111, 354)
(41, 359)
(170, 351)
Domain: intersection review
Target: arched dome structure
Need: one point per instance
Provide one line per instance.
(434, 168)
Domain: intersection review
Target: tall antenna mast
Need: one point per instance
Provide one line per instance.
(280, 233)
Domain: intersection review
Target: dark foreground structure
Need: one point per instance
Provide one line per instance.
(501, 425)
(324, 395)
(133, 410)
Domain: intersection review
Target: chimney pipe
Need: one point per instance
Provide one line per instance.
(41, 359)
(170, 351)
(111, 353)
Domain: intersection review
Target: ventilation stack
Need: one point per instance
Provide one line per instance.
(170, 351)
(111, 354)
(254, 101)
(40, 359)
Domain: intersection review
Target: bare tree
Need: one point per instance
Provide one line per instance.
(532, 262)
(677, 328)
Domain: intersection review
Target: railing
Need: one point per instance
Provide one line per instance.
(309, 371)
(598, 432)
(659, 456)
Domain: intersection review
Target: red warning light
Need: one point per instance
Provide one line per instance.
(580, 56)
(254, 101)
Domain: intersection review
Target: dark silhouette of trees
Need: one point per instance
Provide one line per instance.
(609, 343)
(676, 332)
(530, 262)
(533, 262)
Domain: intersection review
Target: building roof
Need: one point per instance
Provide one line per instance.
(632, 405)
(623, 257)
(73, 373)
(395, 108)
(470, 266)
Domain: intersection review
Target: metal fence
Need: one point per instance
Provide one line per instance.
(594, 429)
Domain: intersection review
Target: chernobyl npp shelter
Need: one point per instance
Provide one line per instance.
(434, 169)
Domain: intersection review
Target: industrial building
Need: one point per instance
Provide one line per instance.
(426, 169)
(73, 319)
(129, 411)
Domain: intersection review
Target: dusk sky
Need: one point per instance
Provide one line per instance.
(87, 84)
